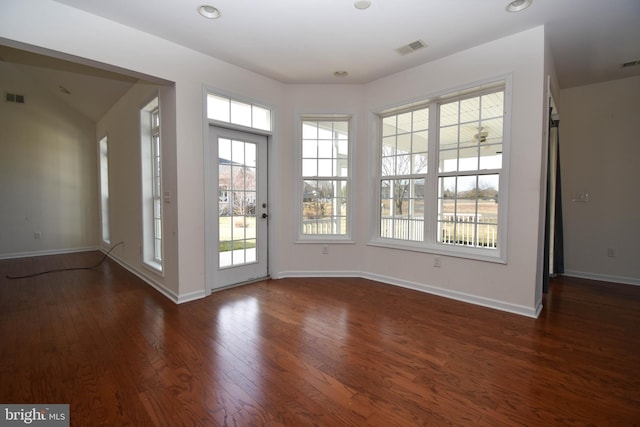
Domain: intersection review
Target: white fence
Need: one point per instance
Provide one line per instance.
(319, 227)
(460, 229)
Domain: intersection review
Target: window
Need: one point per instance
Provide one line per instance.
(325, 178)
(440, 173)
(228, 110)
(104, 189)
(151, 184)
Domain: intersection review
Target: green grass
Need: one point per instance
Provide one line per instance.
(236, 244)
(231, 227)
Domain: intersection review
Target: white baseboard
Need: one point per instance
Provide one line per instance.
(603, 277)
(320, 273)
(29, 254)
(142, 275)
(532, 312)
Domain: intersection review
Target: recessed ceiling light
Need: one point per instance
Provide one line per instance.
(518, 5)
(341, 73)
(362, 4)
(209, 11)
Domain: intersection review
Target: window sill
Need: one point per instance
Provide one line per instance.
(486, 255)
(155, 267)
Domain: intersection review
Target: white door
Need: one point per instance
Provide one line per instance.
(237, 208)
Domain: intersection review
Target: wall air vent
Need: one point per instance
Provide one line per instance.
(631, 64)
(411, 47)
(12, 97)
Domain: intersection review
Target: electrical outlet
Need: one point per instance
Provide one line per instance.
(37, 235)
(436, 262)
(580, 197)
(611, 252)
(325, 249)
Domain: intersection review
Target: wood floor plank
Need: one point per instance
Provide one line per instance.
(312, 352)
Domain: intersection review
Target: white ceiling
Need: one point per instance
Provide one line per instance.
(306, 41)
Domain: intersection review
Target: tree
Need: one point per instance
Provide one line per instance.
(399, 163)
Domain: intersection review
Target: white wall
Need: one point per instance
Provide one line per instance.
(511, 287)
(296, 259)
(47, 172)
(121, 126)
(599, 155)
(59, 28)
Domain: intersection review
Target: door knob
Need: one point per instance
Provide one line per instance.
(264, 215)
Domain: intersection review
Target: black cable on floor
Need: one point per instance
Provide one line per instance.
(58, 270)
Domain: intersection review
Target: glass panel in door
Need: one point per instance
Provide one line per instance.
(237, 195)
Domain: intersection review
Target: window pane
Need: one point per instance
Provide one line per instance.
(309, 130)
(493, 105)
(468, 160)
(421, 120)
(341, 130)
(448, 161)
(403, 165)
(402, 209)
(389, 145)
(419, 164)
(309, 148)
(420, 142)
(470, 135)
(449, 114)
(240, 113)
(448, 137)
(388, 165)
(469, 110)
(325, 167)
(404, 143)
(237, 152)
(491, 157)
(389, 126)
(325, 155)
(324, 207)
(309, 167)
(469, 139)
(261, 118)
(104, 189)
(218, 108)
(404, 123)
(325, 149)
(492, 131)
(468, 210)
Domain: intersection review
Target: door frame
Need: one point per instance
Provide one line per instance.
(211, 204)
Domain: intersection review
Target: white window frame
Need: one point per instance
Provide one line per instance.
(151, 168)
(234, 113)
(103, 150)
(300, 182)
(430, 243)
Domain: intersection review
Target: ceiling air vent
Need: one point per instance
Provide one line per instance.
(630, 64)
(12, 97)
(411, 47)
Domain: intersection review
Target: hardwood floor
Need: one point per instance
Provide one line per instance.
(303, 352)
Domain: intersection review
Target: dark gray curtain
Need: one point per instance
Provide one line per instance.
(558, 240)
